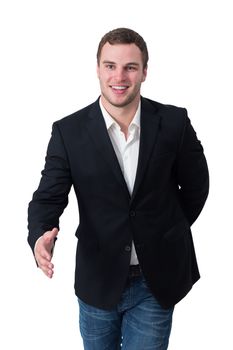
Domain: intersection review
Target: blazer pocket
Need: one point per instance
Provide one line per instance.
(78, 233)
(177, 231)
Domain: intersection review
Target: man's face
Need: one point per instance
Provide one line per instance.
(120, 72)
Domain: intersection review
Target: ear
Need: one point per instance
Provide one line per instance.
(144, 74)
(98, 71)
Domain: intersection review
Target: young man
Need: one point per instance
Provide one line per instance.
(141, 180)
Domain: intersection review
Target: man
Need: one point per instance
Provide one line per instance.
(141, 180)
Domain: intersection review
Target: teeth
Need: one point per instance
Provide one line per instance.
(119, 87)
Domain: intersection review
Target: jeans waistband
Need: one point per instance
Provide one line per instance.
(134, 271)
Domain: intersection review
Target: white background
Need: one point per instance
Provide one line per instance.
(48, 51)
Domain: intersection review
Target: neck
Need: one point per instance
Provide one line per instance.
(122, 115)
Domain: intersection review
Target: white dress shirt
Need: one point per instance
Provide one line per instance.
(126, 152)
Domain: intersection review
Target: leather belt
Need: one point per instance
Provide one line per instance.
(134, 271)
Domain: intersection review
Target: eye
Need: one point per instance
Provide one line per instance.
(110, 66)
(131, 68)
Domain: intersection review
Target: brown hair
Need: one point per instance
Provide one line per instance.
(124, 36)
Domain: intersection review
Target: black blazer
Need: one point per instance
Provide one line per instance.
(170, 190)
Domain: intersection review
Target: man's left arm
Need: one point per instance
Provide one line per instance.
(192, 173)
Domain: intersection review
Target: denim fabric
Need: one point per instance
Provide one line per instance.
(137, 323)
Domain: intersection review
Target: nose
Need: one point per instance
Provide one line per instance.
(120, 74)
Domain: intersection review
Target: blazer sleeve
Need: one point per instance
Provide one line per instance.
(51, 197)
(192, 173)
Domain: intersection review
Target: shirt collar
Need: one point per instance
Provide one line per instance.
(109, 121)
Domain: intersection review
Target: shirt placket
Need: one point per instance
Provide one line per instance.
(127, 161)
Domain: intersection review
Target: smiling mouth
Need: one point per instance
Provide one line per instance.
(119, 87)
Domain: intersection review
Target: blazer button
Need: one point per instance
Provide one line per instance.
(127, 248)
(132, 213)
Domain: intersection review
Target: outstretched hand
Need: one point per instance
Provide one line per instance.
(43, 251)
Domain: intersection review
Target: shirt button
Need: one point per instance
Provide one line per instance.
(127, 248)
(132, 213)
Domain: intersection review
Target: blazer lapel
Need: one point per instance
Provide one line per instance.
(150, 121)
(98, 132)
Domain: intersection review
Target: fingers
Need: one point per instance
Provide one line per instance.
(43, 252)
(46, 266)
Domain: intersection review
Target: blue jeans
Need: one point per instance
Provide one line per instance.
(137, 323)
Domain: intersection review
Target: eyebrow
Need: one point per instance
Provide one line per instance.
(127, 64)
(110, 62)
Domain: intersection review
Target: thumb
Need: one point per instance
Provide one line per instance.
(51, 234)
(54, 232)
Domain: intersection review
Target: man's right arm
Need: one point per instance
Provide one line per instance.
(50, 199)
